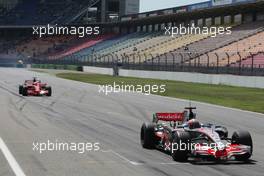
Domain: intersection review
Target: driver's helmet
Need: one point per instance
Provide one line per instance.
(36, 80)
(191, 115)
(193, 124)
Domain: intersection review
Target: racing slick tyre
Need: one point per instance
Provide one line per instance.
(20, 89)
(244, 138)
(147, 136)
(24, 91)
(180, 146)
(49, 91)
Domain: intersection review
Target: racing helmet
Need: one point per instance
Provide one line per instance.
(193, 124)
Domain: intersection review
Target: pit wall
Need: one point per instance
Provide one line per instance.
(216, 79)
(98, 70)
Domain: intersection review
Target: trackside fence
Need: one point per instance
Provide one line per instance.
(237, 63)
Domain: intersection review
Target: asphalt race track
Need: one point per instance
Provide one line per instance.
(78, 113)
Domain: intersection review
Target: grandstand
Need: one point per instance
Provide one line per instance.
(255, 60)
(151, 47)
(211, 44)
(82, 45)
(8, 4)
(236, 51)
(39, 46)
(64, 12)
(138, 40)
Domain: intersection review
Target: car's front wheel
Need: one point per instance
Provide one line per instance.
(49, 91)
(20, 91)
(25, 91)
(243, 138)
(180, 147)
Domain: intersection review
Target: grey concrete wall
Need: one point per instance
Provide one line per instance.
(232, 80)
(98, 70)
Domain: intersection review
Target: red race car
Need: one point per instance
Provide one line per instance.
(34, 87)
(182, 136)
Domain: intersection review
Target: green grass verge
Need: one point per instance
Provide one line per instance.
(237, 97)
(59, 67)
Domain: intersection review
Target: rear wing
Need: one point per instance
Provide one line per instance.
(31, 82)
(169, 117)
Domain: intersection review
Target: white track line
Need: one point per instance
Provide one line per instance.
(122, 157)
(11, 160)
(140, 164)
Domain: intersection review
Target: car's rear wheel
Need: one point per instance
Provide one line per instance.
(25, 91)
(180, 146)
(49, 91)
(243, 138)
(20, 89)
(147, 136)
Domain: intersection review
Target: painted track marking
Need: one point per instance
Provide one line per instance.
(122, 157)
(10, 159)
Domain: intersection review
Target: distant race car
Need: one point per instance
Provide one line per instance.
(181, 135)
(34, 87)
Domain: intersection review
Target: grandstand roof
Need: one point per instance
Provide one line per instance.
(197, 14)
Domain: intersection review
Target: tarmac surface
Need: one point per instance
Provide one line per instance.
(77, 113)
